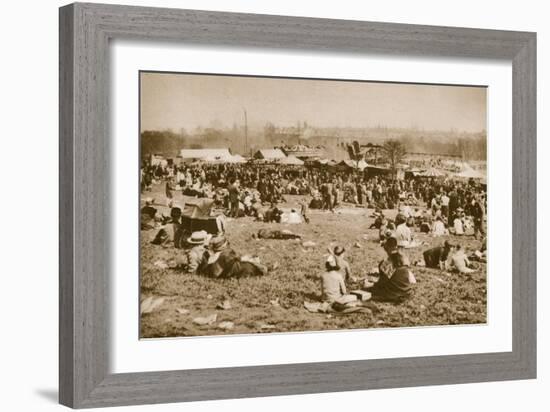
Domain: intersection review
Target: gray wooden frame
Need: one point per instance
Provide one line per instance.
(85, 31)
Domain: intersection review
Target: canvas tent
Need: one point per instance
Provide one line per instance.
(432, 172)
(269, 154)
(291, 160)
(205, 155)
(471, 174)
(352, 164)
(237, 158)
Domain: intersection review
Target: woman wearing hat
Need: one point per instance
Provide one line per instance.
(394, 283)
(345, 268)
(403, 233)
(333, 286)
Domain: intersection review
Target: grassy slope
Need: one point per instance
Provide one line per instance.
(439, 298)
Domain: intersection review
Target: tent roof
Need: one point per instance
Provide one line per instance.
(471, 174)
(237, 158)
(204, 154)
(270, 154)
(432, 172)
(360, 165)
(291, 160)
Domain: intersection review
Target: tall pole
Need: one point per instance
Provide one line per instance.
(245, 132)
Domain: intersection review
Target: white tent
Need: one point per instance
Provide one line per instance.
(207, 155)
(234, 159)
(353, 164)
(269, 154)
(432, 172)
(471, 174)
(291, 160)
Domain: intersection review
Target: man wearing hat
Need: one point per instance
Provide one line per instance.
(196, 248)
(221, 261)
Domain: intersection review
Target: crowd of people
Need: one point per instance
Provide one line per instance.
(435, 206)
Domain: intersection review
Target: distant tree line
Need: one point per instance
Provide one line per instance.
(166, 142)
(163, 142)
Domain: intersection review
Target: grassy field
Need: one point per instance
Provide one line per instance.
(275, 303)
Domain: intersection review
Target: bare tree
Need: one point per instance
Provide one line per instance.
(395, 152)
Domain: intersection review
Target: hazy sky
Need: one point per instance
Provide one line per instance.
(175, 101)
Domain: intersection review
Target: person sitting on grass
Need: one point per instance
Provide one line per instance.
(273, 214)
(333, 286)
(438, 228)
(171, 232)
(291, 218)
(378, 219)
(426, 222)
(458, 223)
(395, 278)
(460, 262)
(436, 257)
(403, 233)
(148, 215)
(339, 255)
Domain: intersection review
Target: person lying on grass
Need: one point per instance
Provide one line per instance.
(275, 234)
(195, 248)
(221, 261)
(395, 278)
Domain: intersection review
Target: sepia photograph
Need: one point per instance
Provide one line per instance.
(279, 204)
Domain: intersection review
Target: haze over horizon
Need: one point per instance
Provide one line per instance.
(176, 101)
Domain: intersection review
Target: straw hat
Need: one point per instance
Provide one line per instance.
(198, 238)
(218, 243)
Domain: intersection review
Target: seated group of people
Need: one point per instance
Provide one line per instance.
(394, 278)
(407, 219)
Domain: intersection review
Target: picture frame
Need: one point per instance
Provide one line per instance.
(85, 33)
